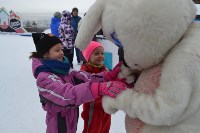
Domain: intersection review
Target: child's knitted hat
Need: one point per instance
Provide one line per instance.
(43, 42)
(90, 48)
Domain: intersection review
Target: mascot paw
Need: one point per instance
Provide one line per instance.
(109, 105)
(127, 74)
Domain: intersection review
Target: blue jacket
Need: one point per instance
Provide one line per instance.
(55, 22)
(74, 23)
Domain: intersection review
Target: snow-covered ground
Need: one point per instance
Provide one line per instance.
(20, 110)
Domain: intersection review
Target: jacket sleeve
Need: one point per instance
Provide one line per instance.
(52, 88)
(86, 76)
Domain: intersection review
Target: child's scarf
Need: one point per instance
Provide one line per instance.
(89, 67)
(54, 66)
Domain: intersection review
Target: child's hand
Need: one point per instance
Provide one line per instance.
(111, 88)
(112, 75)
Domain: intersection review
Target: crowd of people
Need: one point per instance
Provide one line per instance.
(65, 26)
(61, 88)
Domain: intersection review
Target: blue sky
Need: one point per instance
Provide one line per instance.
(45, 6)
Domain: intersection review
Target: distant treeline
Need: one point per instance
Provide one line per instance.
(36, 26)
(35, 29)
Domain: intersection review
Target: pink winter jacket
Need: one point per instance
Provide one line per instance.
(61, 96)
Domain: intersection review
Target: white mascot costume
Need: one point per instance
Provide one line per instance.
(162, 44)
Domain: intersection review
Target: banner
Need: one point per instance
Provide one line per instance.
(10, 22)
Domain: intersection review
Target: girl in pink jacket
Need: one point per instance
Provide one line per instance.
(62, 89)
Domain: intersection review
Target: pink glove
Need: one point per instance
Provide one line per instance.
(112, 75)
(111, 88)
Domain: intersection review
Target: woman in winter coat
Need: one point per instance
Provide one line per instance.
(67, 36)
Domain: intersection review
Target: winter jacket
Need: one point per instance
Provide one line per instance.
(74, 23)
(55, 22)
(95, 119)
(66, 31)
(61, 96)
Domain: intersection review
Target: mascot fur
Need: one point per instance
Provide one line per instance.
(161, 43)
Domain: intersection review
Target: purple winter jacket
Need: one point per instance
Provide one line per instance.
(61, 97)
(67, 34)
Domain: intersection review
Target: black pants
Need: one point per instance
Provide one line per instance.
(78, 52)
(69, 53)
(79, 56)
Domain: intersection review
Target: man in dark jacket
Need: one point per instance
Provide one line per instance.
(74, 23)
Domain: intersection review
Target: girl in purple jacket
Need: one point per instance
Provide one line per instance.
(62, 89)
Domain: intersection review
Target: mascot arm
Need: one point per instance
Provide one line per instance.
(165, 107)
(90, 25)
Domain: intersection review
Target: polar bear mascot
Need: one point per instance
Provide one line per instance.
(162, 45)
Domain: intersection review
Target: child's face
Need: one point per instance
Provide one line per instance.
(97, 57)
(55, 52)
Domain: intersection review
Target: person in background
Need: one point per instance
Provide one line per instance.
(61, 89)
(67, 36)
(55, 22)
(74, 23)
(95, 119)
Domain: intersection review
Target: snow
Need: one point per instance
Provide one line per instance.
(21, 110)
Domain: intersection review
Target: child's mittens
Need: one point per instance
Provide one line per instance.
(111, 88)
(112, 75)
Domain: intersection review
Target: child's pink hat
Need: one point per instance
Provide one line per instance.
(90, 48)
